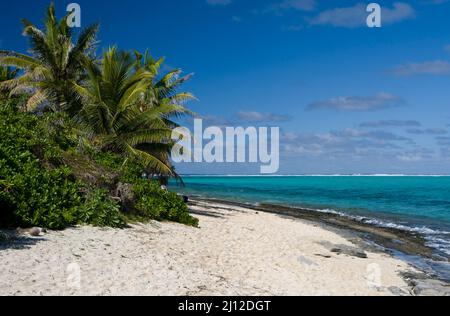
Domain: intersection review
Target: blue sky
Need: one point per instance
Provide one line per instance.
(348, 99)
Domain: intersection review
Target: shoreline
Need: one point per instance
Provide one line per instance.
(407, 245)
(236, 251)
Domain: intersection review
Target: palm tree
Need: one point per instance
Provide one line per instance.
(127, 112)
(7, 73)
(55, 61)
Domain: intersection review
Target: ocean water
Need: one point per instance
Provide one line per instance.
(417, 203)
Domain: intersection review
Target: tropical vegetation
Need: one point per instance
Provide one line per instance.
(86, 140)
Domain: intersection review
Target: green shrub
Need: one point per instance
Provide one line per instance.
(100, 209)
(154, 203)
(44, 178)
(32, 195)
(36, 189)
(41, 198)
(151, 202)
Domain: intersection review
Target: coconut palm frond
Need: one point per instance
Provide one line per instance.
(55, 61)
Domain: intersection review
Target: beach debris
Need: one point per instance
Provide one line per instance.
(345, 250)
(34, 231)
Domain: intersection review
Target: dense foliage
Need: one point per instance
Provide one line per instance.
(37, 189)
(152, 202)
(77, 133)
(39, 185)
(30, 193)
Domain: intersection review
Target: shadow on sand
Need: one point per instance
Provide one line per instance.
(11, 240)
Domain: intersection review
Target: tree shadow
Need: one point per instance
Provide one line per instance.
(14, 241)
(207, 213)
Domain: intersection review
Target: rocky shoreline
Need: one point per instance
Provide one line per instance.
(367, 237)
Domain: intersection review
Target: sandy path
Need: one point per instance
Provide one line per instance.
(233, 253)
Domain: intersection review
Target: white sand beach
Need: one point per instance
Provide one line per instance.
(234, 252)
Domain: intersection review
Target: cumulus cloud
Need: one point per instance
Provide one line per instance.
(414, 156)
(356, 16)
(301, 5)
(437, 67)
(286, 5)
(355, 103)
(352, 145)
(391, 123)
(377, 135)
(242, 118)
(236, 19)
(344, 143)
(428, 131)
(443, 141)
(258, 117)
(218, 2)
(293, 28)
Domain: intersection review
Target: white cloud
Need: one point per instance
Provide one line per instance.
(400, 12)
(391, 123)
(416, 155)
(236, 19)
(351, 145)
(254, 116)
(355, 16)
(428, 131)
(372, 103)
(297, 5)
(437, 67)
(218, 2)
(293, 28)
(346, 143)
(301, 5)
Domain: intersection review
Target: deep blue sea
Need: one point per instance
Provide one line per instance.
(418, 203)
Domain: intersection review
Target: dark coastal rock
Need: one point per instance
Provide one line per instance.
(398, 291)
(423, 284)
(323, 256)
(431, 287)
(345, 250)
(350, 251)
